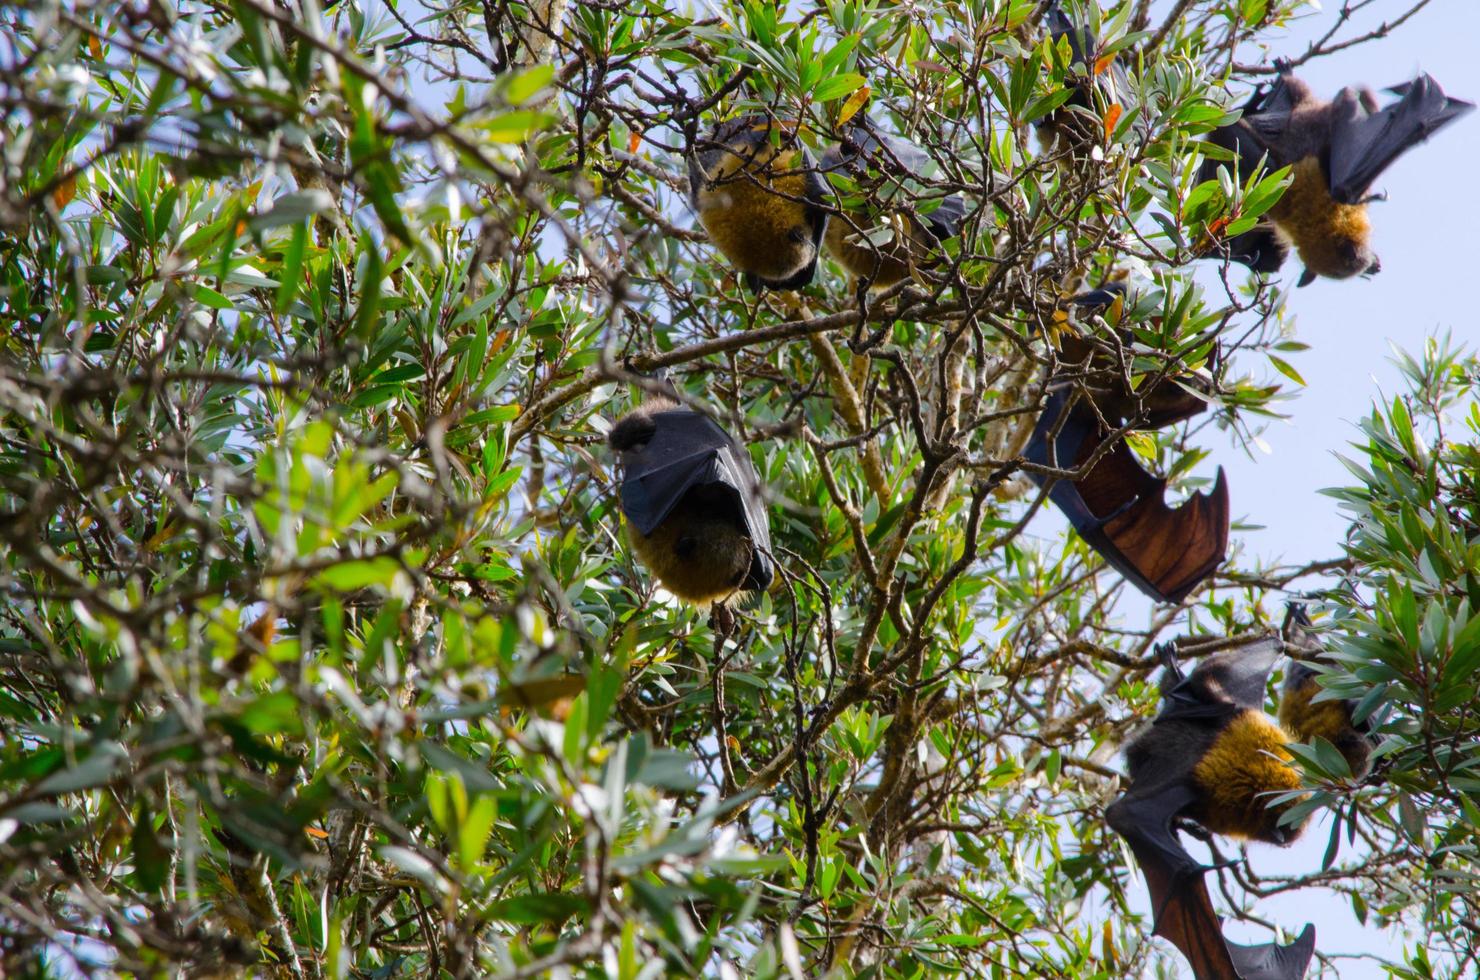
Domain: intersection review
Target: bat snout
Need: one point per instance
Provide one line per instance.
(1374, 268)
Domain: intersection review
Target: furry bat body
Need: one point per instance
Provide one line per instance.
(760, 197)
(693, 503)
(880, 164)
(1335, 151)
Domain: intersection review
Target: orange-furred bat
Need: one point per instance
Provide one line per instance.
(1211, 757)
(761, 199)
(693, 503)
(1304, 717)
(1335, 151)
(864, 240)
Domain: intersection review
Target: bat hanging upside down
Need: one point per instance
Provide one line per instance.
(760, 197)
(693, 503)
(1212, 758)
(1336, 150)
(1100, 88)
(1118, 508)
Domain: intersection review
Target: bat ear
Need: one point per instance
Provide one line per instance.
(1306, 278)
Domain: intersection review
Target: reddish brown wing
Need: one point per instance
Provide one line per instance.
(1168, 551)
(1181, 908)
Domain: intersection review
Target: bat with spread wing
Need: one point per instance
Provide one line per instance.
(1120, 510)
(761, 199)
(693, 502)
(1211, 758)
(1336, 150)
(881, 166)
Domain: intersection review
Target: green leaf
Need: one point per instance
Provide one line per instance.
(525, 85)
(1285, 368)
(838, 86)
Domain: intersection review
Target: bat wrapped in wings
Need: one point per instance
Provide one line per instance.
(1212, 758)
(1336, 150)
(1118, 508)
(693, 503)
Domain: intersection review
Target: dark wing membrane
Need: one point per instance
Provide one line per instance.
(1120, 511)
(1364, 145)
(1164, 552)
(1182, 912)
(816, 211)
(739, 473)
(1246, 145)
(1258, 132)
(945, 221)
(1268, 961)
(1113, 82)
(1169, 402)
(1166, 403)
(1261, 248)
(1244, 673)
(683, 452)
(890, 154)
(1252, 138)
(1223, 685)
(1059, 25)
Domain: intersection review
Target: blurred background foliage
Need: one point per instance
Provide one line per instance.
(322, 653)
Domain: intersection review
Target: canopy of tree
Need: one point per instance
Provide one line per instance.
(323, 648)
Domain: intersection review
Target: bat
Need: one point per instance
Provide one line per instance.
(693, 503)
(1335, 151)
(1305, 718)
(880, 165)
(1077, 124)
(1211, 757)
(1120, 510)
(761, 199)
(1164, 403)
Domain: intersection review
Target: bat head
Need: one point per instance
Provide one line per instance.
(1339, 258)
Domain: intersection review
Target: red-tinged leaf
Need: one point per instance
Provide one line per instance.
(1112, 116)
(634, 141)
(1103, 62)
(63, 193)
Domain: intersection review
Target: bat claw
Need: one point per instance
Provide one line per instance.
(1379, 196)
